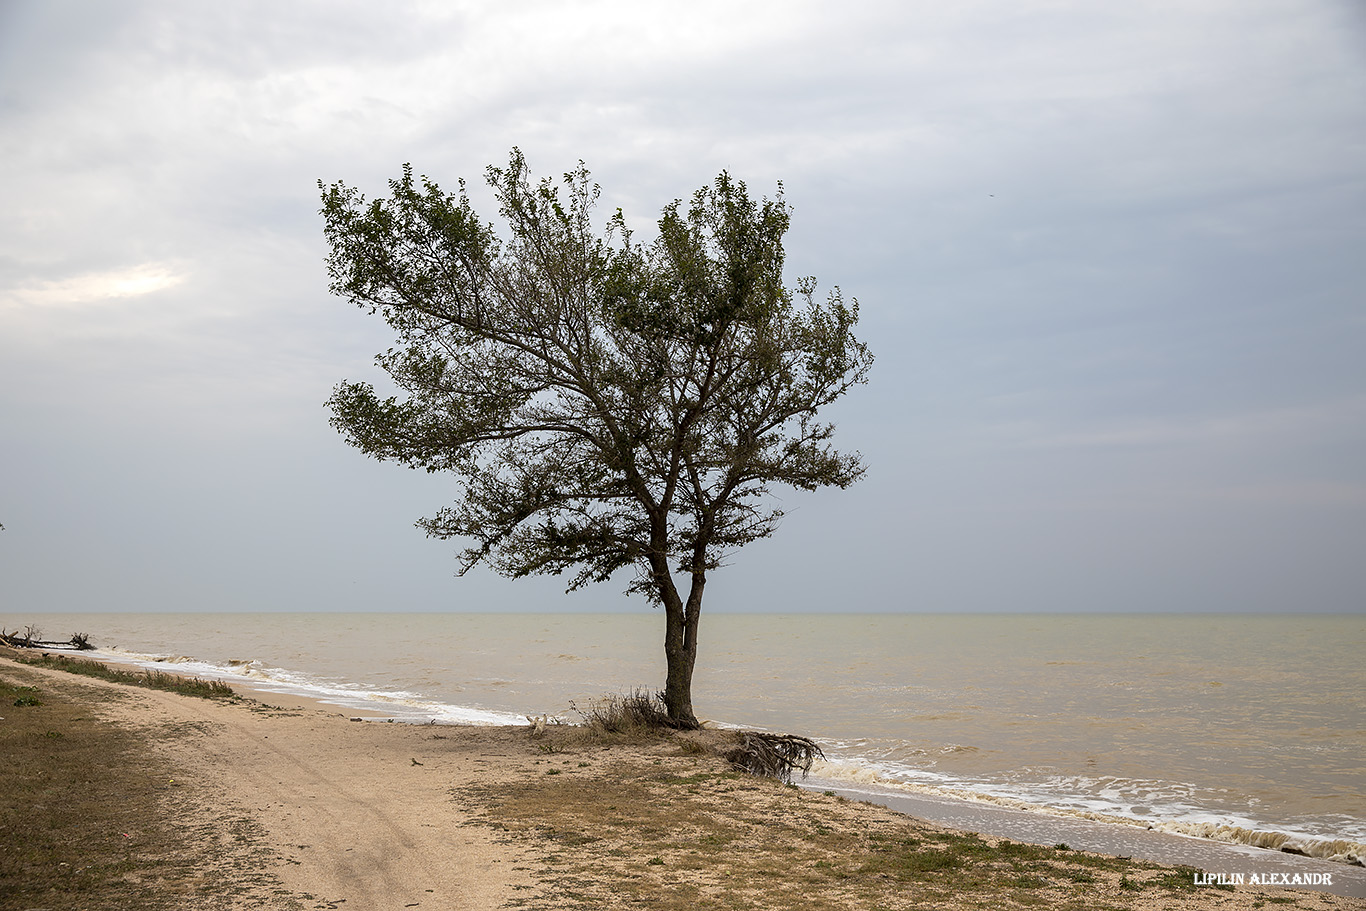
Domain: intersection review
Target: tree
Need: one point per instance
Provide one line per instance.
(608, 404)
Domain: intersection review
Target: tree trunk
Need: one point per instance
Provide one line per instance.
(680, 653)
(678, 682)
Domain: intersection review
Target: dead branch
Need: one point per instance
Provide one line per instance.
(30, 639)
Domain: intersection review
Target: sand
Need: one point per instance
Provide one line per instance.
(370, 816)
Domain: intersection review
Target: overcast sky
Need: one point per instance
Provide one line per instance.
(1111, 259)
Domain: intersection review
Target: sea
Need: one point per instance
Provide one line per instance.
(1247, 729)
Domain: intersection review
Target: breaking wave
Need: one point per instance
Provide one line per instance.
(1175, 818)
(400, 705)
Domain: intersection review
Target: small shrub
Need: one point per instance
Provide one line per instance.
(636, 716)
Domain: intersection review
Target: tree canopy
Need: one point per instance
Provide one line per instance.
(608, 405)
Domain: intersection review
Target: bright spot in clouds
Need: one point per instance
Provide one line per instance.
(94, 287)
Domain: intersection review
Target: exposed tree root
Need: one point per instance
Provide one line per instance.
(774, 755)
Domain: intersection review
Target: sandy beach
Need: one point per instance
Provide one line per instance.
(284, 804)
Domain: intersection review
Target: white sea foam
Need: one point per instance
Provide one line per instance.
(401, 705)
(1102, 805)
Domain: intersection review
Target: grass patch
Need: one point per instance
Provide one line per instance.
(86, 812)
(688, 832)
(156, 680)
(690, 747)
(25, 696)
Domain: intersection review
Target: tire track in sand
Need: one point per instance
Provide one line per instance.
(359, 815)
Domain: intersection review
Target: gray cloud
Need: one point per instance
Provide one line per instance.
(1108, 258)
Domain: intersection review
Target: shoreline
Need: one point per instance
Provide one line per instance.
(1117, 836)
(1153, 732)
(447, 816)
(1118, 839)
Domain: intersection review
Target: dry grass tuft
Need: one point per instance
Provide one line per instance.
(637, 717)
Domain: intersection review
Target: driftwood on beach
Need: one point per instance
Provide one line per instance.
(774, 755)
(32, 638)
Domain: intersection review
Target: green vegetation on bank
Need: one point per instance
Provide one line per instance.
(156, 680)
